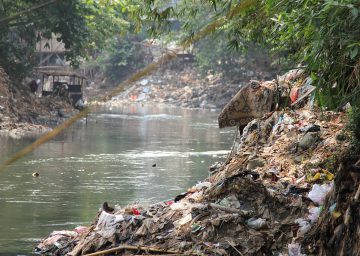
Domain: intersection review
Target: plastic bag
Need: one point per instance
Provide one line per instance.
(202, 185)
(256, 223)
(314, 214)
(107, 224)
(304, 226)
(294, 249)
(319, 192)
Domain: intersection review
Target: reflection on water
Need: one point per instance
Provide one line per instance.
(109, 159)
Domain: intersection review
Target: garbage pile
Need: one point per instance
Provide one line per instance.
(266, 199)
(337, 230)
(181, 84)
(24, 114)
(4, 91)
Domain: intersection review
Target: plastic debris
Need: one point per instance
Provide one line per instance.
(81, 229)
(57, 238)
(321, 175)
(309, 140)
(294, 94)
(196, 228)
(169, 202)
(186, 219)
(144, 82)
(179, 206)
(296, 190)
(107, 223)
(310, 128)
(230, 201)
(314, 214)
(319, 192)
(256, 223)
(304, 226)
(332, 210)
(202, 185)
(294, 249)
(135, 211)
(216, 166)
(181, 196)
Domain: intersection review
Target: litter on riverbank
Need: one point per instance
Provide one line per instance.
(181, 84)
(22, 113)
(265, 200)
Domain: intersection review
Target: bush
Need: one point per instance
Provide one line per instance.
(213, 54)
(325, 37)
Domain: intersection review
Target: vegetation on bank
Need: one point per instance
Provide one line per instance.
(123, 56)
(83, 26)
(323, 37)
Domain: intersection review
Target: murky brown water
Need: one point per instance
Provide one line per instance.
(109, 159)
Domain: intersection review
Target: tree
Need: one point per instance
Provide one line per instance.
(123, 56)
(323, 36)
(82, 25)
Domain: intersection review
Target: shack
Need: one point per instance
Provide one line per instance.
(67, 84)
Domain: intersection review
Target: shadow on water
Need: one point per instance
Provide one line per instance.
(109, 159)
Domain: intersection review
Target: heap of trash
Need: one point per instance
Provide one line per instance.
(267, 198)
(22, 113)
(182, 84)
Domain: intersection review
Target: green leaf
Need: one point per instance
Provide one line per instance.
(353, 53)
(354, 12)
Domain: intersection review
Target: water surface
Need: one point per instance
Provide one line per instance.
(108, 159)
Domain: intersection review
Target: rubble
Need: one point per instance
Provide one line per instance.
(336, 232)
(267, 199)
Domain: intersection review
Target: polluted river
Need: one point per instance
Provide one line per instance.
(132, 153)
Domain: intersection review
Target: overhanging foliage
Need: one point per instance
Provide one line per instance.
(81, 25)
(323, 36)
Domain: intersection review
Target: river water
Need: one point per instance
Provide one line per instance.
(108, 159)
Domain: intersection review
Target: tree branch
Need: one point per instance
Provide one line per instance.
(15, 16)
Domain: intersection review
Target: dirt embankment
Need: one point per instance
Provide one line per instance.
(23, 113)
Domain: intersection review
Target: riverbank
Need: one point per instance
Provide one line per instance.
(181, 84)
(23, 113)
(266, 199)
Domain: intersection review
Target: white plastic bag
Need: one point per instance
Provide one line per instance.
(319, 192)
(304, 226)
(256, 223)
(107, 224)
(314, 214)
(294, 249)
